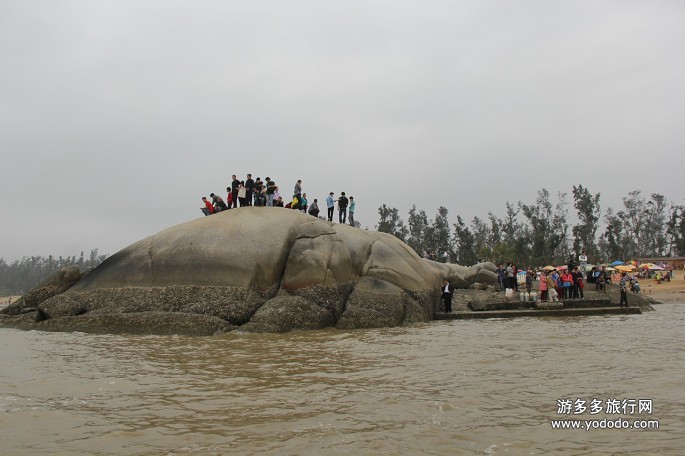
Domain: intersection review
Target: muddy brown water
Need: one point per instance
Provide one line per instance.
(443, 388)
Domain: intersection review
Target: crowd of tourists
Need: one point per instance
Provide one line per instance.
(566, 282)
(266, 193)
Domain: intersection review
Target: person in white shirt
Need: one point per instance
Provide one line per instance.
(447, 290)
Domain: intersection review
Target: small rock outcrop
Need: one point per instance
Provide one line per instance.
(254, 269)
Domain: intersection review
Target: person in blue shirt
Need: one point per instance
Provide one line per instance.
(351, 209)
(330, 203)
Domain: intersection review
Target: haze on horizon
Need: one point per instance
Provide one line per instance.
(118, 116)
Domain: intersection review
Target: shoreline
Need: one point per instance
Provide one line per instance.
(665, 292)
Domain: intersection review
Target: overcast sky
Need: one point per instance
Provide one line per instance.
(117, 116)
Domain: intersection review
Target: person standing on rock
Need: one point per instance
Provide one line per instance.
(229, 198)
(242, 194)
(258, 192)
(330, 203)
(352, 206)
(249, 186)
(447, 290)
(298, 189)
(235, 184)
(270, 191)
(342, 208)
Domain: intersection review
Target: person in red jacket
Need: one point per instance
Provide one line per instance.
(567, 280)
(208, 209)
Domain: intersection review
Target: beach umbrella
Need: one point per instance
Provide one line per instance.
(656, 268)
(625, 268)
(616, 263)
(548, 268)
(561, 268)
(609, 268)
(647, 265)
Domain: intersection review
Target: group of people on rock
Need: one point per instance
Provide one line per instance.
(255, 192)
(344, 204)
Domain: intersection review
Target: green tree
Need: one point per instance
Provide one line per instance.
(560, 227)
(675, 230)
(656, 225)
(464, 243)
(679, 229)
(418, 223)
(585, 231)
(438, 234)
(548, 234)
(22, 275)
(515, 236)
(390, 222)
(612, 242)
(632, 219)
(482, 239)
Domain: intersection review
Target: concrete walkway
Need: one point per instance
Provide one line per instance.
(568, 312)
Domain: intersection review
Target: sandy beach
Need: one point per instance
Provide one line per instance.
(4, 300)
(673, 291)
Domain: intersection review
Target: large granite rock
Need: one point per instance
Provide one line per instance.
(256, 269)
(54, 285)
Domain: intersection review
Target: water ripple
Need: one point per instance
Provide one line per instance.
(459, 387)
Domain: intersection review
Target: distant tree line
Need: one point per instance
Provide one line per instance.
(22, 275)
(540, 233)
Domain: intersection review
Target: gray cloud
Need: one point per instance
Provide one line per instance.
(118, 116)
